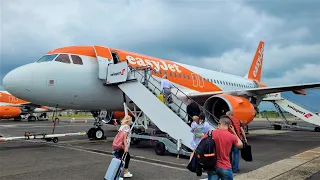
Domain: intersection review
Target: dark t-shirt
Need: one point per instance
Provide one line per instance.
(193, 110)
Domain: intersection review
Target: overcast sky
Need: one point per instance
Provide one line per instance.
(218, 35)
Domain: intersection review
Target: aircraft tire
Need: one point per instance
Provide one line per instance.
(160, 148)
(55, 139)
(277, 127)
(90, 133)
(32, 118)
(98, 133)
(317, 129)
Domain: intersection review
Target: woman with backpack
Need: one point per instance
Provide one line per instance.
(121, 143)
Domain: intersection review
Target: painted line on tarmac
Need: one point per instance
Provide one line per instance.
(133, 158)
(266, 132)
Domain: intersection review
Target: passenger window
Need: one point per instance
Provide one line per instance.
(175, 74)
(64, 58)
(76, 59)
(47, 58)
(188, 76)
(155, 71)
(170, 73)
(184, 75)
(160, 72)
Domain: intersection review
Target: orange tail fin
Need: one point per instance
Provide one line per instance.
(255, 70)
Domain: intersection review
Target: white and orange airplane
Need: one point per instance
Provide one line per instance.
(13, 107)
(67, 77)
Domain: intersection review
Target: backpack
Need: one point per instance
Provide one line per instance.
(206, 153)
(199, 131)
(117, 143)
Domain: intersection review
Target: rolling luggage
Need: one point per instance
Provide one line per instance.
(115, 168)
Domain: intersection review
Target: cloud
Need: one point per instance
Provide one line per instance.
(219, 35)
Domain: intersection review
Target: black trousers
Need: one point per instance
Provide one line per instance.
(127, 160)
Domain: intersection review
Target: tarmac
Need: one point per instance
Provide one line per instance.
(277, 154)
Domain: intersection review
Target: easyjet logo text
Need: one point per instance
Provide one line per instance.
(118, 73)
(259, 61)
(300, 112)
(157, 65)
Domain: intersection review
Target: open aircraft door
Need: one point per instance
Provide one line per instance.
(104, 58)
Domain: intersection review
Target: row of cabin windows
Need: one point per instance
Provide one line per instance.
(209, 80)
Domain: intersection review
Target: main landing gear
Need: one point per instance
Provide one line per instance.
(96, 132)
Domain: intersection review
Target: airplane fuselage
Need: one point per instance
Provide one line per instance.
(74, 86)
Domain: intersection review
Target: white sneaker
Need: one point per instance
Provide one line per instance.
(120, 178)
(127, 175)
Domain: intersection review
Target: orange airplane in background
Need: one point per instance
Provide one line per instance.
(13, 107)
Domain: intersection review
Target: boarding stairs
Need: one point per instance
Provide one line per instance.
(142, 88)
(299, 111)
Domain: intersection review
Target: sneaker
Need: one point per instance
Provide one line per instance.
(120, 178)
(127, 175)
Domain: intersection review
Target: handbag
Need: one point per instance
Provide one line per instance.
(246, 153)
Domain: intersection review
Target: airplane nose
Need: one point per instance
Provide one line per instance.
(18, 80)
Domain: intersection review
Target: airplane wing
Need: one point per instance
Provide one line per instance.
(257, 91)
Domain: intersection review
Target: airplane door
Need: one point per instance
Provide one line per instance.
(194, 79)
(104, 58)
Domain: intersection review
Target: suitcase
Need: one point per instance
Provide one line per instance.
(161, 97)
(115, 168)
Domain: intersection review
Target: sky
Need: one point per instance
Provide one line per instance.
(217, 35)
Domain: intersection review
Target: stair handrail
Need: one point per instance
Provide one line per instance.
(150, 76)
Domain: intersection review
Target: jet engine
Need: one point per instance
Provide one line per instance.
(7, 112)
(218, 105)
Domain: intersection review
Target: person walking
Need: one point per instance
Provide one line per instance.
(166, 87)
(242, 136)
(126, 130)
(192, 110)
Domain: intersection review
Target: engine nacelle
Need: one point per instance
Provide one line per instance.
(219, 104)
(7, 112)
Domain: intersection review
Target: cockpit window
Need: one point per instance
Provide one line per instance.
(76, 59)
(63, 58)
(47, 58)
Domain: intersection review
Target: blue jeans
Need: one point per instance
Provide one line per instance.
(235, 158)
(223, 174)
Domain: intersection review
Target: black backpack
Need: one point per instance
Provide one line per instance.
(206, 153)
